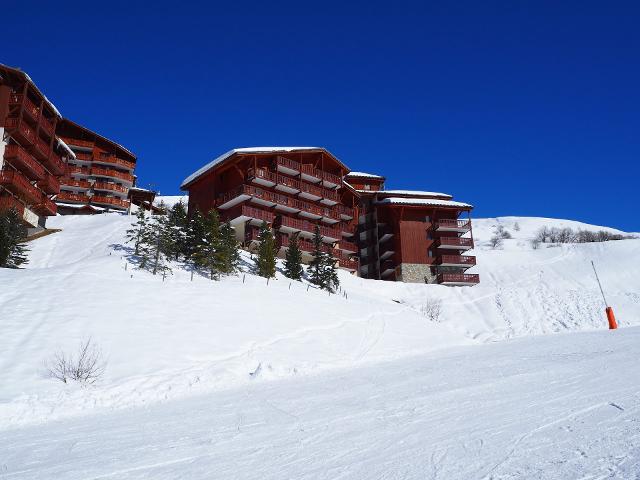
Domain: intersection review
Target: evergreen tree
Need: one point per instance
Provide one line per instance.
(330, 280)
(139, 230)
(157, 246)
(316, 265)
(13, 251)
(229, 254)
(196, 229)
(293, 260)
(178, 223)
(208, 250)
(266, 262)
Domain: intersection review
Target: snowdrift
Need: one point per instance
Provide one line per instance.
(171, 338)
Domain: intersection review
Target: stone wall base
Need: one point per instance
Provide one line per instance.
(415, 273)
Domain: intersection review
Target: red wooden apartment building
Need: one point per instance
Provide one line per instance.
(98, 176)
(32, 157)
(387, 235)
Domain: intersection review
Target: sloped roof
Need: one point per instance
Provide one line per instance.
(364, 175)
(435, 202)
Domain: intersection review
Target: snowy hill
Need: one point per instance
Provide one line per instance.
(168, 339)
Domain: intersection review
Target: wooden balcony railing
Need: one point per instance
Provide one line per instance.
(75, 182)
(109, 172)
(311, 189)
(347, 261)
(331, 213)
(22, 132)
(84, 156)
(113, 160)
(23, 161)
(72, 197)
(283, 241)
(7, 202)
(345, 212)
(112, 187)
(330, 232)
(310, 170)
(79, 170)
(289, 182)
(77, 142)
(30, 108)
(55, 164)
(330, 195)
(50, 185)
(262, 173)
(331, 178)
(460, 225)
(287, 163)
(297, 224)
(251, 213)
(46, 207)
(459, 278)
(112, 201)
(454, 242)
(47, 125)
(19, 185)
(347, 228)
(347, 246)
(463, 260)
(40, 148)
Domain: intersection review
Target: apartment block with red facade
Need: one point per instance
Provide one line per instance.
(293, 189)
(32, 158)
(412, 236)
(98, 176)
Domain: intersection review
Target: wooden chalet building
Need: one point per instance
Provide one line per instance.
(293, 189)
(99, 175)
(380, 234)
(32, 157)
(412, 236)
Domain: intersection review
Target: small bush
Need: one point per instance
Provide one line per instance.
(86, 367)
(495, 242)
(431, 309)
(568, 235)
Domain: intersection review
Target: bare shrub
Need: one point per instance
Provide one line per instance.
(568, 235)
(431, 309)
(496, 242)
(535, 243)
(501, 232)
(516, 227)
(86, 367)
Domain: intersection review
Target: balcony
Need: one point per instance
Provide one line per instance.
(347, 229)
(330, 215)
(307, 246)
(346, 213)
(456, 261)
(110, 187)
(384, 233)
(46, 207)
(450, 225)
(251, 234)
(82, 171)
(47, 125)
(329, 197)
(30, 108)
(459, 279)
(454, 243)
(245, 213)
(40, 149)
(67, 197)
(262, 176)
(20, 131)
(287, 184)
(387, 267)
(23, 161)
(347, 262)
(75, 183)
(348, 247)
(310, 191)
(19, 185)
(108, 159)
(75, 142)
(330, 180)
(310, 210)
(110, 201)
(111, 173)
(309, 173)
(8, 202)
(286, 165)
(50, 185)
(55, 164)
(84, 157)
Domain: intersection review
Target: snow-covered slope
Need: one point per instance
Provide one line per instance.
(167, 339)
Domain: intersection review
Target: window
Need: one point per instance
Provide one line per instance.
(367, 187)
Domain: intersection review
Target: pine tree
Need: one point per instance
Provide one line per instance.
(13, 251)
(330, 280)
(208, 251)
(157, 246)
(293, 260)
(195, 235)
(139, 230)
(178, 223)
(229, 255)
(316, 265)
(266, 262)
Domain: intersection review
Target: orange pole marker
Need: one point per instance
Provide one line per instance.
(612, 319)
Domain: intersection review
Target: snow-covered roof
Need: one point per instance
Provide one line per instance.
(140, 189)
(364, 175)
(436, 202)
(417, 193)
(28, 79)
(225, 156)
(79, 206)
(66, 147)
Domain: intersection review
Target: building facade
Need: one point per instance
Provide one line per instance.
(293, 189)
(99, 174)
(32, 157)
(412, 236)
(379, 234)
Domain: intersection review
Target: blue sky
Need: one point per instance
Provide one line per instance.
(521, 108)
